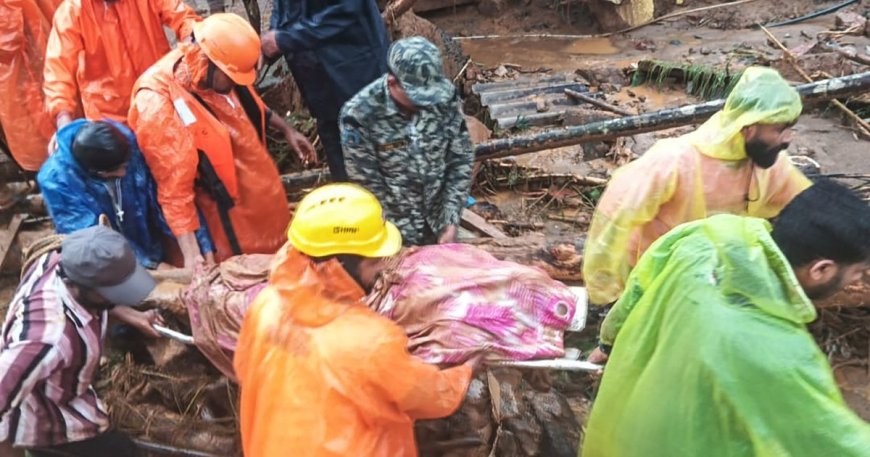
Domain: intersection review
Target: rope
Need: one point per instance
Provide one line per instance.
(37, 249)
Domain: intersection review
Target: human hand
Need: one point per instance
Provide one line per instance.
(140, 320)
(52, 144)
(448, 235)
(597, 356)
(63, 119)
(303, 148)
(269, 44)
(477, 362)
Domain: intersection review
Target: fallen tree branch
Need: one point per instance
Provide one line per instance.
(864, 127)
(593, 101)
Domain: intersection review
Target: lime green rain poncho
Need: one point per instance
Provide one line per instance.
(712, 358)
(697, 175)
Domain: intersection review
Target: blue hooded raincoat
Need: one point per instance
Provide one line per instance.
(75, 198)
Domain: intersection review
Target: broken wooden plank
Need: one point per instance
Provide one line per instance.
(7, 237)
(471, 221)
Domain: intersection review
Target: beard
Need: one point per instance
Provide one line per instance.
(822, 291)
(762, 154)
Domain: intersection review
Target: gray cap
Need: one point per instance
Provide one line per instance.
(101, 259)
(416, 62)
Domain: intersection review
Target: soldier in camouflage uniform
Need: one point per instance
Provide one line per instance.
(405, 139)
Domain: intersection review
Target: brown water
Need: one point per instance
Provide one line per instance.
(555, 53)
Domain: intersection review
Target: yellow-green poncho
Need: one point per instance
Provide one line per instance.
(712, 357)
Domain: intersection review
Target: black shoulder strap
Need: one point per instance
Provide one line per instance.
(252, 109)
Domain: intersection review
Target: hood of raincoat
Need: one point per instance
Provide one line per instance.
(746, 263)
(761, 96)
(315, 293)
(197, 66)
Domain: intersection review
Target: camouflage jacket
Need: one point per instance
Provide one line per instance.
(418, 167)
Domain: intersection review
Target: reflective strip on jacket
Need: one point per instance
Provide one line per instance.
(260, 214)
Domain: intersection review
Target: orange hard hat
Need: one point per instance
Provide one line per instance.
(232, 44)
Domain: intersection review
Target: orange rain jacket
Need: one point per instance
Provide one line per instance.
(24, 29)
(261, 213)
(98, 49)
(322, 375)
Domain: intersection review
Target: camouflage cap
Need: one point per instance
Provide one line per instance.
(416, 62)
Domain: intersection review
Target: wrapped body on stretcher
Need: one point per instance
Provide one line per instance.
(453, 301)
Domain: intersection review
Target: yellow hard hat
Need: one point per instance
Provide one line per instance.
(342, 219)
(232, 44)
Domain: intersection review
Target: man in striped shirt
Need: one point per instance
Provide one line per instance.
(51, 343)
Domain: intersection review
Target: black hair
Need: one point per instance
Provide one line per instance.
(350, 263)
(100, 146)
(826, 221)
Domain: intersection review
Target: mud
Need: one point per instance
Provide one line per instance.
(552, 53)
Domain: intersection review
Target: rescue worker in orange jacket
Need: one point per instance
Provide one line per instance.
(98, 48)
(320, 373)
(202, 129)
(24, 29)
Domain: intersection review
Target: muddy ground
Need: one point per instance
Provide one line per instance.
(199, 407)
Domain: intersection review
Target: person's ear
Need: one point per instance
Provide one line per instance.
(749, 132)
(823, 270)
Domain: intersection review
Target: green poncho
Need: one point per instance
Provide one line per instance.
(711, 356)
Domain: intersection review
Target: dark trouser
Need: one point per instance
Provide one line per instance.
(324, 104)
(330, 137)
(110, 444)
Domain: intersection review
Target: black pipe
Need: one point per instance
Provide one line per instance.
(814, 15)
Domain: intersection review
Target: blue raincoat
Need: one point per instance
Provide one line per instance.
(75, 198)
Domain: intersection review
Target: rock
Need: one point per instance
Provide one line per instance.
(501, 71)
(705, 51)
(613, 15)
(847, 20)
(519, 434)
(491, 8)
(561, 431)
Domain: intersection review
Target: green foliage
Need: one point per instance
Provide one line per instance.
(702, 81)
